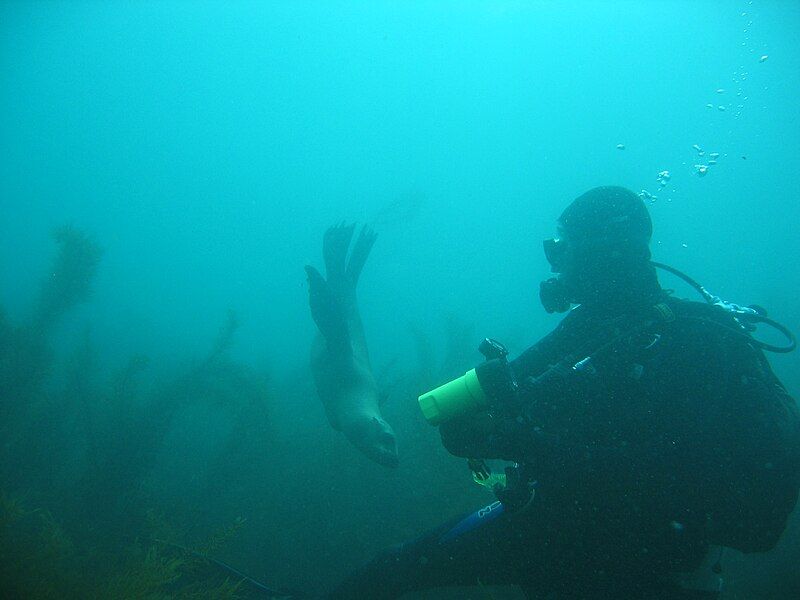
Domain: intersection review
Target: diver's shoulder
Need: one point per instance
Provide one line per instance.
(550, 348)
(688, 310)
(706, 324)
(577, 314)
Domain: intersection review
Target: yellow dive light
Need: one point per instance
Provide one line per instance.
(452, 399)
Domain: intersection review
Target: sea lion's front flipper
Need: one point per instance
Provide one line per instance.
(334, 251)
(328, 314)
(361, 249)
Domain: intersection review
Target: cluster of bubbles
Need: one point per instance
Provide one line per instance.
(702, 168)
(662, 178)
(739, 93)
(729, 100)
(740, 75)
(645, 195)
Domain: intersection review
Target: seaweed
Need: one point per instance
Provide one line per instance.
(224, 340)
(219, 538)
(11, 510)
(36, 555)
(26, 359)
(117, 429)
(83, 450)
(39, 560)
(460, 345)
(25, 362)
(459, 350)
(69, 279)
(425, 375)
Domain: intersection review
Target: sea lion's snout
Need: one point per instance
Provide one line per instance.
(387, 449)
(377, 440)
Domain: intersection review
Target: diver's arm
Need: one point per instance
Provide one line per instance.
(737, 426)
(510, 436)
(481, 434)
(553, 455)
(548, 350)
(571, 454)
(514, 428)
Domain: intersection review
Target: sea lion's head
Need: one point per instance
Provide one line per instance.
(375, 438)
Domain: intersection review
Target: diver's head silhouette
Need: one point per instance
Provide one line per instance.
(602, 251)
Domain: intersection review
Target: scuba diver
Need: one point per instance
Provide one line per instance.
(644, 435)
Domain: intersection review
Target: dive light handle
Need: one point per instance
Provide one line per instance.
(454, 398)
(491, 349)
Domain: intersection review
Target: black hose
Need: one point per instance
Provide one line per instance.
(777, 326)
(750, 317)
(707, 296)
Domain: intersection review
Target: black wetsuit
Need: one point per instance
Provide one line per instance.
(675, 436)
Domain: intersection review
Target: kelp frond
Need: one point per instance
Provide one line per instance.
(55, 541)
(11, 510)
(224, 339)
(219, 538)
(144, 577)
(68, 281)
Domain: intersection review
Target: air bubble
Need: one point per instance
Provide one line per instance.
(645, 195)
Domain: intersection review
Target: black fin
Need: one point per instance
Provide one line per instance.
(361, 250)
(327, 312)
(334, 251)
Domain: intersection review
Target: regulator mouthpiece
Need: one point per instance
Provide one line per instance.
(457, 397)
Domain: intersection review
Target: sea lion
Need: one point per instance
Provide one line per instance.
(339, 356)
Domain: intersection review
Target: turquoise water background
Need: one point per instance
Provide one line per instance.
(206, 146)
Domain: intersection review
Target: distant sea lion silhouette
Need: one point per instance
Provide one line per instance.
(339, 356)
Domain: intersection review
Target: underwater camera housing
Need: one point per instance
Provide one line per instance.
(465, 394)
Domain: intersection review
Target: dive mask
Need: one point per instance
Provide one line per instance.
(553, 293)
(555, 250)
